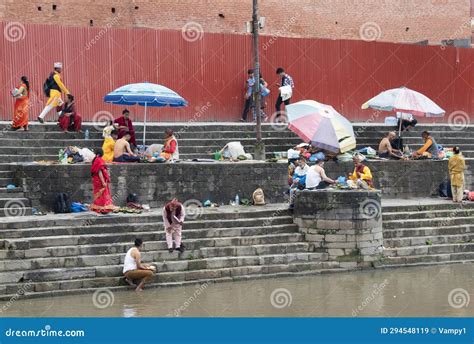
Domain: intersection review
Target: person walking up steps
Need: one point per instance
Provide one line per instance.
(53, 88)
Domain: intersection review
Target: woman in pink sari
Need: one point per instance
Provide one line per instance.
(100, 181)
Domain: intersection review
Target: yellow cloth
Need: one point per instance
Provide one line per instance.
(57, 78)
(108, 148)
(365, 175)
(456, 167)
(427, 145)
(54, 98)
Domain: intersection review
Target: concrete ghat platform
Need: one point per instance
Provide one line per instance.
(218, 181)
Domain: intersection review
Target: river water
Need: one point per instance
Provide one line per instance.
(445, 291)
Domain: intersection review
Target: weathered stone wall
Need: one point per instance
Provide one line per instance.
(156, 184)
(219, 182)
(347, 225)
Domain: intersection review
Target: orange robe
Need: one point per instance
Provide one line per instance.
(20, 111)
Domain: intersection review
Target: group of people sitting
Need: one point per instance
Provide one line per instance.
(387, 148)
(120, 143)
(305, 177)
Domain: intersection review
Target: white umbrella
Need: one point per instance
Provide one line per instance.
(405, 100)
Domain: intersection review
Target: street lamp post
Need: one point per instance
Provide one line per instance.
(259, 150)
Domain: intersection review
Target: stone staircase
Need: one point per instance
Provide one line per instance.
(53, 255)
(200, 140)
(13, 203)
(42, 142)
(427, 234)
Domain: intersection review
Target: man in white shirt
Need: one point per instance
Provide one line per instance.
(316, 177)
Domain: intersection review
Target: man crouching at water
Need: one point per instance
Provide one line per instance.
(134, 269)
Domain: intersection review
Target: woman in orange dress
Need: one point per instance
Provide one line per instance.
(103, 202)
(20, 112)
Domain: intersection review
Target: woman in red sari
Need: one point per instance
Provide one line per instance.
(20, 112)
(100, 181)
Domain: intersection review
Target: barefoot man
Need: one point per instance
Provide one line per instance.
(385, 147)
(122, 151)
(133, 268)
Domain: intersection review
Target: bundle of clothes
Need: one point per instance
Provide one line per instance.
(73, 155)
(232, 151)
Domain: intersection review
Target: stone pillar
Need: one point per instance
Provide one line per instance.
(345, 224)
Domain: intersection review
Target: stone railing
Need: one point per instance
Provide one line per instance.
(347, 225)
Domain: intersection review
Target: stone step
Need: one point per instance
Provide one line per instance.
(157, 249)
(429, 249)
(271, 146)
(198, 232)
(268, 213)
(428, 240)
(205, 267)
(90, 285)
(15, 213)
(48, 242)
(14, 203)
(204, 220)
(428, 214)
(5, 181)
(425, 207)
(71, 139)
(436, 222)
(427, 231)
(166, 261)
(11, 195)
(420, 260)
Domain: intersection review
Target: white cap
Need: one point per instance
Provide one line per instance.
(58, 65)
(303, 144)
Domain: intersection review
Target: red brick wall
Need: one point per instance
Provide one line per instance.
(384, 20)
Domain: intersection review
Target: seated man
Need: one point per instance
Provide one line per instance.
(429, 149)
(361, 177)
(385, 147)
(170, 146)
(122, 151)
(69, 119)
(316, 177)
(133, 268)
(109, 145)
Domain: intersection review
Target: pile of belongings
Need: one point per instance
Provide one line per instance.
(233, 151)
(152, 153)
(368, 152)
(73, 154)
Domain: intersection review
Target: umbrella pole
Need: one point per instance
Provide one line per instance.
(144, 127)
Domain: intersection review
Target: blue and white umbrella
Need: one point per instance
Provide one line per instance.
(145, 94)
